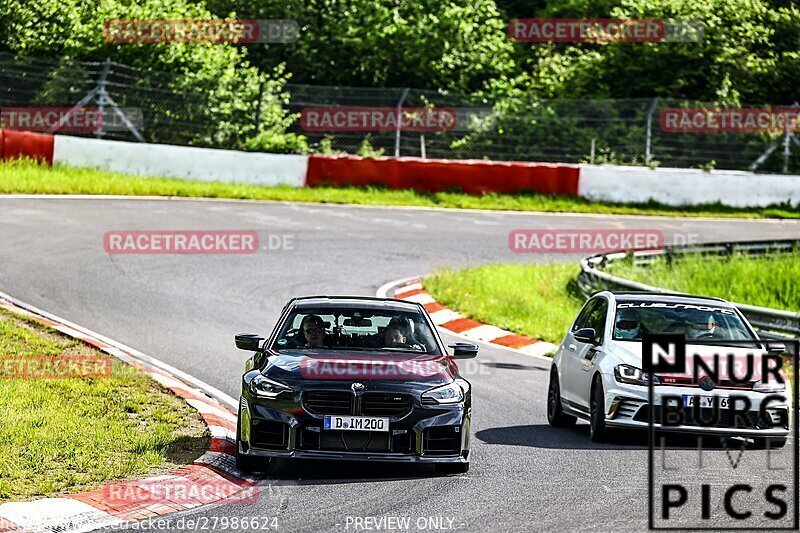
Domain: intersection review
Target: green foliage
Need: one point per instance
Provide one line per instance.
(215, 83)
(366, 149)
(277, 142)
(772, 281)
(749, 53)
(452, 46)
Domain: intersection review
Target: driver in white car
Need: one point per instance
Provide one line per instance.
(627, 325)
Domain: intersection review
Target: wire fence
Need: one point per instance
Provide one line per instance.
(175, 109)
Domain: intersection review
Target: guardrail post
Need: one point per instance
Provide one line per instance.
(399, 119)
(647, 152)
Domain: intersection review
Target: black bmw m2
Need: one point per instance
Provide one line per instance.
(354, 378)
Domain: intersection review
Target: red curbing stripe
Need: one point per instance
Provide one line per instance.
(222, 446)
(436, 175)
(412, 292)
(186, 394)
(514, 341)
(460, 325)
(5, 524)
(214, 420)
(433, 307)
(22, 144)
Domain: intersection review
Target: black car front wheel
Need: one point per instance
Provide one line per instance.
(556, 416)
(452, 468)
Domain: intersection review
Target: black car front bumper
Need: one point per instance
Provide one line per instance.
(286, 428)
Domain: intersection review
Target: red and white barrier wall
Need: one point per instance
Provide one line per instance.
(605, 183)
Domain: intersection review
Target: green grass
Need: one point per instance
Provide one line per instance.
(29, 178)
(67, 435)
(541, 301)
(536, 300)
(772, 281)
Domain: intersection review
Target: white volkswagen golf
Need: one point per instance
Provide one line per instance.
(597, 371)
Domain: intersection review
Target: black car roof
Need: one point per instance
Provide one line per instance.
(366, 302)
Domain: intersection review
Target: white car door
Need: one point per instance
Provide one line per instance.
(588, 352)
(574, 352)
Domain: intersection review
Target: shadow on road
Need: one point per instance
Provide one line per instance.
(577, 438)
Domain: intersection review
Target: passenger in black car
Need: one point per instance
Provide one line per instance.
(398, 334)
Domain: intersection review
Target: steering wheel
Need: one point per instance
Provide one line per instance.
(705, 335)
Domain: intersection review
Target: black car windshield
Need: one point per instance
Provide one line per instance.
(357, 329)
(696, 322)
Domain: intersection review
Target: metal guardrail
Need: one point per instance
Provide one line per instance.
(769, 323)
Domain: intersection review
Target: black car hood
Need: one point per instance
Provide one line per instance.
(340, 365)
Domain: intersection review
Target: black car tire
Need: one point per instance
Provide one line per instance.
(773, 443)
(245, 463)
(556, 416)
(452, 468)
(598, 432)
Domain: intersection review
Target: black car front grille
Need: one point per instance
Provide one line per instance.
(269, 434)
(385, 404)
(328, 402)
(346, 403)
(354, 441)
(315, 438)
(442, 440)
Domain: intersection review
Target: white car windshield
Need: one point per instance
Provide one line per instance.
(696, 322)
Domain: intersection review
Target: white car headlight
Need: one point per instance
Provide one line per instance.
(446, 394)
(770, 386)
(263, 387)
(633, 376)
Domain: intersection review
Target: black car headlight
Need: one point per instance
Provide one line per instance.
(633, 376)
(263, 387)
(445, 394)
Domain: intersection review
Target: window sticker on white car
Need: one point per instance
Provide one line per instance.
(645, 305)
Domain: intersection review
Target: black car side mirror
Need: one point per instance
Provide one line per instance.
(464, 350)
(586, 335)
(249, 342)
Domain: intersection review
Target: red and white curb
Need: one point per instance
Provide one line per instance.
(213, 476)
(411, 289)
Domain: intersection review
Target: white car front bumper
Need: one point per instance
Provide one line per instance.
(627, 406)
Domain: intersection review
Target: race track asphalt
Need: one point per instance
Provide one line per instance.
(185, 310)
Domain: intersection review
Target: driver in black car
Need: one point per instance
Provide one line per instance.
(313, 328)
